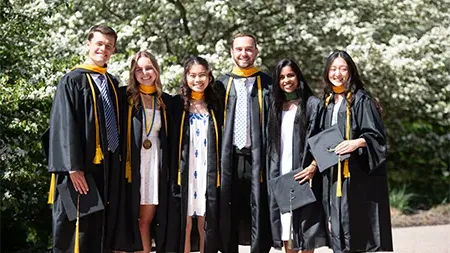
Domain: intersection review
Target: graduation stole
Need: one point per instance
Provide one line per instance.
(245, 73)
(128, 148)
(98, 151)
(216, 130)
(347, 137)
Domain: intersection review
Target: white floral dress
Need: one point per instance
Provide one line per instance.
(198, 143)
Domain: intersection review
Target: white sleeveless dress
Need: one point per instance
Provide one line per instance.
(150, 161)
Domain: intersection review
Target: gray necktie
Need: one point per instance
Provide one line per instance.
(241, 114)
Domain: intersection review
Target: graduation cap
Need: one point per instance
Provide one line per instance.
(86, 204)
(322, 147)
(289, 194)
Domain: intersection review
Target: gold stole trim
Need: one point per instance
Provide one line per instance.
(94, 68)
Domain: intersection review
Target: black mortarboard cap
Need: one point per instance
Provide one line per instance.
(89, 203)
(287, 191)
(322, 147)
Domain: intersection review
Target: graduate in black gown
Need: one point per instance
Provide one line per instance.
(195, 174)
(356, 193)
(244, 211)
(146, 153)
(293, 117)
(84, 141)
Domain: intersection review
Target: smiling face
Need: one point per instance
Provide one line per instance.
(144, 72)
(288, 79)
(244, 52)
(101, 47)
(338, 73)
(197, 78)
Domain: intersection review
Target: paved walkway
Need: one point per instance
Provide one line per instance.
(428, 239)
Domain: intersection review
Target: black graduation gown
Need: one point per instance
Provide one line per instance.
(159, 223)
(261, 240)
(178, 210)
(308, 221)
(72, 146)
(360, 219)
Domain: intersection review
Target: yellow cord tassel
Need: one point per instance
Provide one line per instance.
(179, 178)
(347, 134)
(51, 192)
(76, 246)
(339, 180)
(260, 176)
(98, 155)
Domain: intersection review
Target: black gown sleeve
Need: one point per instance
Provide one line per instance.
(65, 139)
(372, 130)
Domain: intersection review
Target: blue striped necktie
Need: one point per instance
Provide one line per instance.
(110, 116)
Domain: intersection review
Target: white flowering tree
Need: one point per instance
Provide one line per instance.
(402, 49)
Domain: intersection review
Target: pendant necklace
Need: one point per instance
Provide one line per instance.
(147, 144)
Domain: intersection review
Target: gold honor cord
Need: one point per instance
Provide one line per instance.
(76, 246)
(147, 144)
(128, 158)
(217, 147)
(179, 147)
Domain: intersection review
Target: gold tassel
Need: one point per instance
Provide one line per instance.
(51, 192)
(346, 169)
(76, 246)
(260, 176)
(98, 155)
(179, 177)
(339, 180)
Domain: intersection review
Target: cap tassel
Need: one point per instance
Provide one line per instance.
(51, 192)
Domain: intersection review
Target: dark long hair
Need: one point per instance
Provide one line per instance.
(185, 91)
(278, 97)
(354, 82)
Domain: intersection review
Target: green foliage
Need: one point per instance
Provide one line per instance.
(402, 50)
(400, 199)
